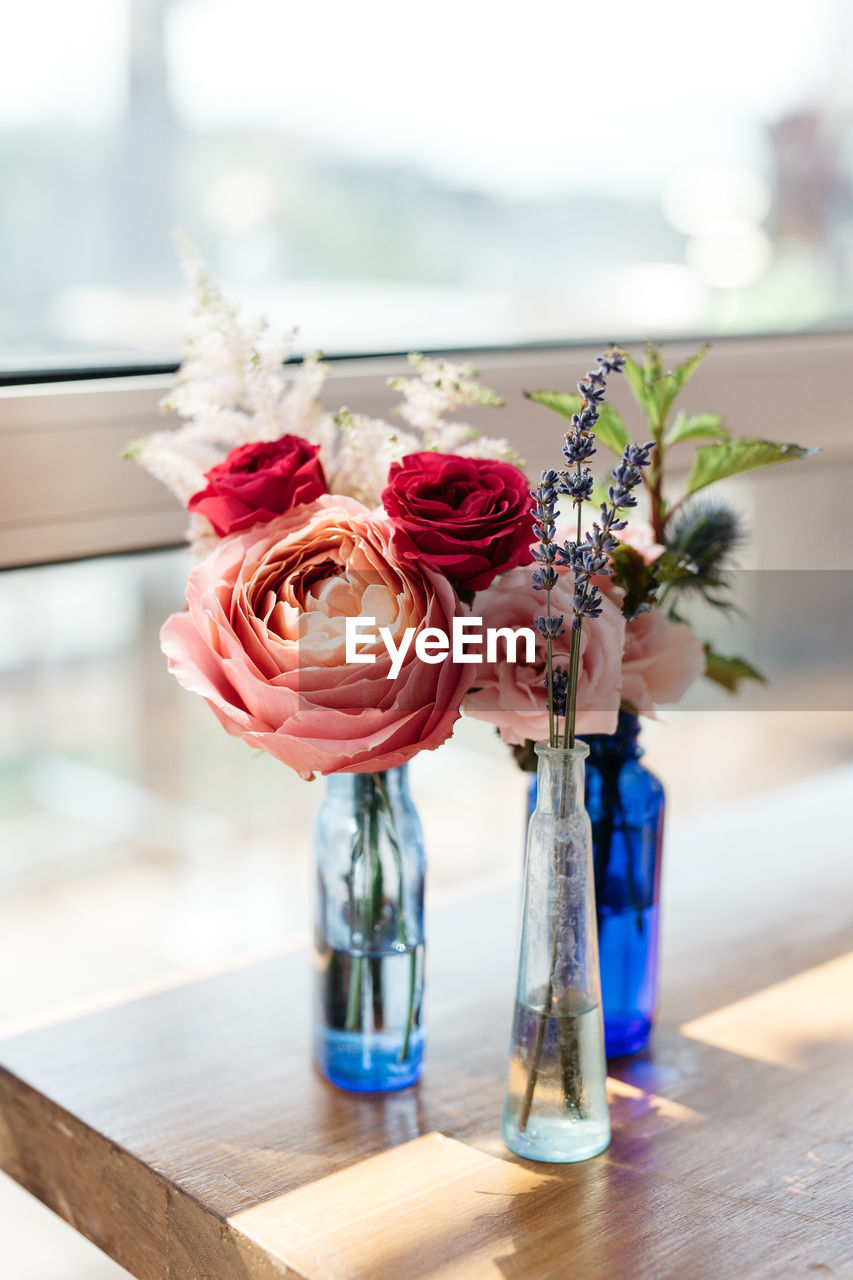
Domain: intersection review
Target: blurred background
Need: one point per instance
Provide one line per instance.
(393, 179)
(388, 178)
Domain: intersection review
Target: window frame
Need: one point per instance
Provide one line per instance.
(67, 493)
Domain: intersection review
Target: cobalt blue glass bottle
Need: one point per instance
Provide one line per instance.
(369, 932)
(625, 803)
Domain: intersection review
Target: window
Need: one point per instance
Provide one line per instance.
(391, 179)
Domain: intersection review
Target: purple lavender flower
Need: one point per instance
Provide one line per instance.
(586, 603)
(560, 690)
(577, 485)
(593, 389)
(612, 361)
(577, 447)
(551, 626)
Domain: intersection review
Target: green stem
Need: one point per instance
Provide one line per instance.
(574, 656)
(353, 1013)
(400, 918)
(574, 667)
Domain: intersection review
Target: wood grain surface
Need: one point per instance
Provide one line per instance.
(188, 1136)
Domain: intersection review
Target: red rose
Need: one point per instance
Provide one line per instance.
(468, 517)
(259, 482)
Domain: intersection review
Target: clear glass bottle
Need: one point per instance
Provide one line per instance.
(556, 1101)
(625, 803)
(369, 932)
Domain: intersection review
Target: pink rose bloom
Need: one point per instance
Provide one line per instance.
(263, 641)
(662, 659)
(513, 695)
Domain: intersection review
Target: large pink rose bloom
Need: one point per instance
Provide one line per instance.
(263, 641)
(662, 659)
(513, 695)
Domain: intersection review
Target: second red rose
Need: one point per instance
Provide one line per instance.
(467, 517)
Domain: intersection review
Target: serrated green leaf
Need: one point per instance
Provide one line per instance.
(717, 461)
(609, 429)
(682, 373)
(729, 672)
(696, 426)
(637, 579)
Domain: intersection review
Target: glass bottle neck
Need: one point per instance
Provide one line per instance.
(560, 778)
(394, 783)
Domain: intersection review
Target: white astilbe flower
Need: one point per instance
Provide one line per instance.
(177, 461)
(439, 388)
(232, 389)
(364, 450)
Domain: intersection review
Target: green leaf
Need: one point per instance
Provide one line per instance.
(682, 373)
(652, 365)
(696, 426)
(674, 566)
(717, 461)
(609, 429)
(637, 383)
(663, 392)
(561, 402)
(637, 579)
(729, 672)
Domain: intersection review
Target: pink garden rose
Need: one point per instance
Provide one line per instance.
(513, 695)
(263, 641)
(662, 659)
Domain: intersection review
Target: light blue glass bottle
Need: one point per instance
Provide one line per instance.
(555, 1108)
(369, 932)
(625, 802)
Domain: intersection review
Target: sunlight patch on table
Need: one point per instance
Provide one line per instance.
(435, 1196)
(628, 1101)
(787, 1023)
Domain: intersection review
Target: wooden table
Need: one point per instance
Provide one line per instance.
(187, 1135)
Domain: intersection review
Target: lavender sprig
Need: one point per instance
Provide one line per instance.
(544, 512)
(586, 558)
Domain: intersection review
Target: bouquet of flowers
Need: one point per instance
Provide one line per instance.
(335, 555)
(300, 520)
